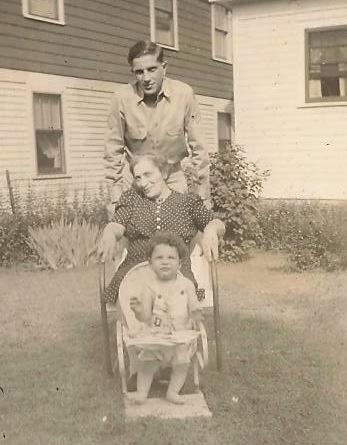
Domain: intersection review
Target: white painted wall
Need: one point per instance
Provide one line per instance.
(85, 106)
(304, 146)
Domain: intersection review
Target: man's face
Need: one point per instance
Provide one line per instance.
(165, 261)
(149, 73)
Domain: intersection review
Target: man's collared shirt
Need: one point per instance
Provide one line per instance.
(168, 128)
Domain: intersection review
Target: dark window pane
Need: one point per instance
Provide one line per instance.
(330, 87)
(221, 44)
(44, 8)
(166, 5)
(315, 55)
(164, 32)
(50, 154)
(224, 130)
(49, 134)
(329, 70)
(327, 65)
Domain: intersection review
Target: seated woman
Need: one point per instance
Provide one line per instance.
(166, 305)
(150, 207)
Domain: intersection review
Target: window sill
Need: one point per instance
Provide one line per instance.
(323, 104)
(173, 48)
(228, 62)
(54, 176)
(45, 19)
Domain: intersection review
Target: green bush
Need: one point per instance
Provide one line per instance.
(13, 240)
(64, 244)
(34, 211)
(313, 233)
(235, 187)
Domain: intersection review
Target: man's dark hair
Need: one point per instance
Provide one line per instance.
(143, 48)
(168, 239)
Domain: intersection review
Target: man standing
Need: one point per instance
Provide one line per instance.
(154, 114)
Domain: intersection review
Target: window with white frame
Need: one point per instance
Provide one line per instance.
(45, 10)
(221, 33)
(326, 64)
(164, 28)
(224, 130)
(49, 137)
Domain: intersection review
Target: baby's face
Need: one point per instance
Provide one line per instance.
(165, 261)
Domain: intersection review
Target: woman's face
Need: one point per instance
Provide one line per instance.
(149, 179)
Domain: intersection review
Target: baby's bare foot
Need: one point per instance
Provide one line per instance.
(174, 398)
(138, 398)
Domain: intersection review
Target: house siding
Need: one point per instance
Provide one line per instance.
(303, 145)
(98, 33)
(85, 105)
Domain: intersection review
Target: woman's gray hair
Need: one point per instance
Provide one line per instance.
(157, 160)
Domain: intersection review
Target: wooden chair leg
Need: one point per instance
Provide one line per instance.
(120, 353)
(106, 335)
(217, 324)
(104, 320)
(196, 373)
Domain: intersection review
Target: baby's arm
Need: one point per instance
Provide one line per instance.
(194, 307)
(142, 305)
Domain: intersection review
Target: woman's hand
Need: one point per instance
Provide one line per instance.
(210, 245)
(107, 245)
(212, 237)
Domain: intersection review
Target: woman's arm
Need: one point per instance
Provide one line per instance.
(112, 233)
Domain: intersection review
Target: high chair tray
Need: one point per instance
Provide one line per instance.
(176, 338)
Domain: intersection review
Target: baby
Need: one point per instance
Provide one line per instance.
(167, 306)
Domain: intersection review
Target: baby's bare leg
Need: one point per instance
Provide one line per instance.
(145, 376)
(178, 377)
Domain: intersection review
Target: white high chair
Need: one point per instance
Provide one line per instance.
(128, 322)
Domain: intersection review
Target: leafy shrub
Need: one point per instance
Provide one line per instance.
(13, 240)
(235, 187)
(62, 244)
(314, 233)
(34, 211)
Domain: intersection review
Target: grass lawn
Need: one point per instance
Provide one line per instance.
(284, 379)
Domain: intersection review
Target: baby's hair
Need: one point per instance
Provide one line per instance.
(168, 239)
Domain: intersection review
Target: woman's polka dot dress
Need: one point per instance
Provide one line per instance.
(182, 214)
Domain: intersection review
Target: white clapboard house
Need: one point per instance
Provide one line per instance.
(60, 62)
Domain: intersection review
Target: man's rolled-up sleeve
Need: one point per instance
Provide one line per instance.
(114, 149)
(198, 148)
